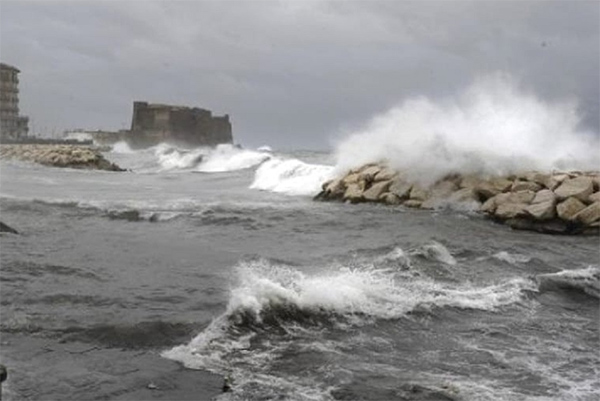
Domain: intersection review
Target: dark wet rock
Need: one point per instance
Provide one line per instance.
(4, 228)
(3, 373)
(128, 215)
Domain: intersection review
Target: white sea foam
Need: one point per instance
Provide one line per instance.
(435, 251)
(171, 158)
(494, 127)
(291, 176)
(122, 147)
(511, 258)
(264, 148)
(587, 280)
(79, 136)
(230, 158)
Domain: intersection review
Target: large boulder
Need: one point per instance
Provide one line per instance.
(492, 187)
(390, 199)
(334, 189)
(376, 190)
(351, 178)
(543, 196)
(400, 188)
(418, 193)
(368, 174)
(568, 209)
(525, 186)
(579, 187)
(542, 211)
(464, 195)
(589, 215)
(439, 194)
(595, 197)
(385, 174)
(510, 210)
(490, 205)
(539, 178)
(354, 193)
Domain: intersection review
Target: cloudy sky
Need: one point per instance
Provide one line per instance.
(291, 74)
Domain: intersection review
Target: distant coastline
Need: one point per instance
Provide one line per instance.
(30, 140)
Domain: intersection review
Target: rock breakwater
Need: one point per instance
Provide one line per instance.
(556, 202)
(71, 156)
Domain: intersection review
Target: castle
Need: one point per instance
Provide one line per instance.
(154, 123)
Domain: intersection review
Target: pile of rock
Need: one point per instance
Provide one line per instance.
(556, 202)
(72, 156)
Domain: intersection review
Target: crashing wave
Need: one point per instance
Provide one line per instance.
(230, 158)
(586, 280)
(278, 300)
(492, 128)
(275, 296)
(122, 147)
(291, 177)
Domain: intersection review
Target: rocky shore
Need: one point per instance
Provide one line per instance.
(71, 156)
(556, 202)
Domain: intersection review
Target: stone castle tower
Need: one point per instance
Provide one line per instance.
(155, 123)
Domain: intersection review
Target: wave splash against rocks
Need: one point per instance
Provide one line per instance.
(557, 202)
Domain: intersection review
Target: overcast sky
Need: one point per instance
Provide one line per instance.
(291, 74)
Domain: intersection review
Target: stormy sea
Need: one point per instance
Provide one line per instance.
(212, 274)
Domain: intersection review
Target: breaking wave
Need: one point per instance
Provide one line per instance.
(291, 176)
(166, 157)
(276, 297)
(586, 280)
(229, 158)
(494, 127)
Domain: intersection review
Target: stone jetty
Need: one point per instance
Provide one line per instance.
(556, 202)
(71, 156)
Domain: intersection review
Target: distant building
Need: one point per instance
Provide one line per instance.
(156, 123)
(12, 125)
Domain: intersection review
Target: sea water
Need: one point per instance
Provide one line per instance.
(218, 260)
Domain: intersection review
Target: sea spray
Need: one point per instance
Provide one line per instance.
(493, 128)
(122, 147)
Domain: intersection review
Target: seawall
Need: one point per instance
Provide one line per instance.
(71, 156)
(555, 202)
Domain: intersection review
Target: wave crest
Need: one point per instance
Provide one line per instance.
(291, 177)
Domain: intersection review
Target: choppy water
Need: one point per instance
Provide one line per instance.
(220, 261)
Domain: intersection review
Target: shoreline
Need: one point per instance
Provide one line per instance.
(554, 203)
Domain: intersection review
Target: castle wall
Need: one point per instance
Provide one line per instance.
(155, 123)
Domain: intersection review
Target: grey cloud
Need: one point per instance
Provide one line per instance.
(290, 74)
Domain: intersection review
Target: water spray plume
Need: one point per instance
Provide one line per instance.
(492, 128)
